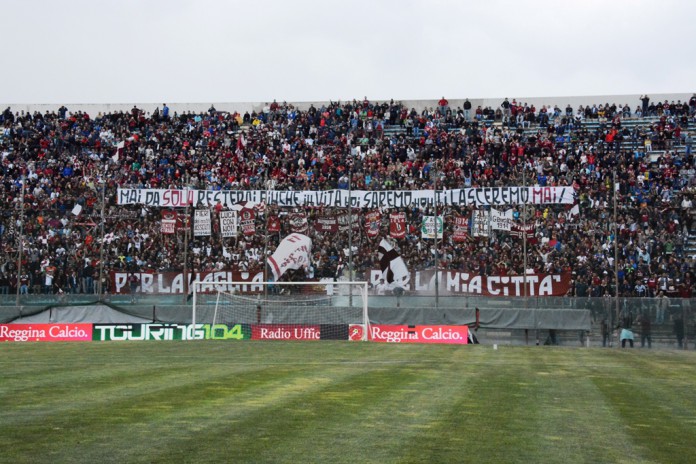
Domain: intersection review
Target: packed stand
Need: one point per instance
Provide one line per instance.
(71, 159)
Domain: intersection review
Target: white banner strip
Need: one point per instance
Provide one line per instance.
(494, 196)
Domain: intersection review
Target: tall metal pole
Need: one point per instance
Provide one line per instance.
(101, 247)
(616, 248)
(265, 250)
(437, 252)
(524, 250)
(524, 238)
(21, 239)
(350, 236)
(186, 232)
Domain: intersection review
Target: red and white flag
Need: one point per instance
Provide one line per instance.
(273, 224)
(460, 231)
(397, 225)
(247, 221)
(119, 151)
(298, 222)
(372, 223)
(519, 231)
(293, 252)
(326, 224)
(241, 142)
(168, 222)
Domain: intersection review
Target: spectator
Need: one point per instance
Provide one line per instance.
(604, 329)
(381, 287)
(645, 330)
(645, 101)
(661, 307)
(467, 110)
(626, 325)
(443, 105)
(679, 331)
(133, 283)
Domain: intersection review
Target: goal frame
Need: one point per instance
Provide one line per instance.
(364, 285)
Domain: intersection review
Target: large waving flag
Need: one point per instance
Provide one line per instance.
(293, 252)
(392, 265)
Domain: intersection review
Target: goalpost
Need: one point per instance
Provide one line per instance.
(284, 310)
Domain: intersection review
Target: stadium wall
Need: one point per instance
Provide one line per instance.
(633, 100)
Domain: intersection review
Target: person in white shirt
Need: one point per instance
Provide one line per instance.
(686, 204)
(381, 287)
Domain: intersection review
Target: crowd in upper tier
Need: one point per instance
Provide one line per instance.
(63, 159)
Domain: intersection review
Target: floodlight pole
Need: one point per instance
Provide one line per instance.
(524, 249)
(616, 247)
(21, 239)
(101, 247)
(350, 236)
(186, 233)
(437, 243)
(524, 236)
(265, 249)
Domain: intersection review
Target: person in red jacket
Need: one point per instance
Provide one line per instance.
(444, 105)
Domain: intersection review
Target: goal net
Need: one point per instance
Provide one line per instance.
(283, 310)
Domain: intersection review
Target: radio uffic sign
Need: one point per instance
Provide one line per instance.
(448, 334)
(45, 332)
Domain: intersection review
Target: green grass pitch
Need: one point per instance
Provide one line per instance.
(343, 402)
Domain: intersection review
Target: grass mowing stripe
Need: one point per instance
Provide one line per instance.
(657, 412)
(573, 418)
(486, 412)
(317, 426)
(109, 422)
(322, 401)
(96, 388)
(166, 424)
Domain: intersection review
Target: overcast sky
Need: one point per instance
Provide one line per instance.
(176, 51)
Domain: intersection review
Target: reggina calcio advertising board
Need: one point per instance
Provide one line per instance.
(443, 334)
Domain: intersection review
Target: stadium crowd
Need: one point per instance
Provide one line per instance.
(63, 159)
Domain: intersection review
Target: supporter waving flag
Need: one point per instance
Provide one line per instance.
(293, 252)
(460, 230)
(372, 223)
(392, 265)
(119, 151)
(397, 225)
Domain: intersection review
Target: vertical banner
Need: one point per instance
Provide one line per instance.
(460, 230)
(201, 223)
(344, 221)
(501, 220)
(273, 224)
(183, 221)
(429, 227)
(247, 221)
(228, 224)
(372, 222)
(479, 223)
(520, 230)
(397, 225)
(298, 222)
(326, 224)
(169, 219)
